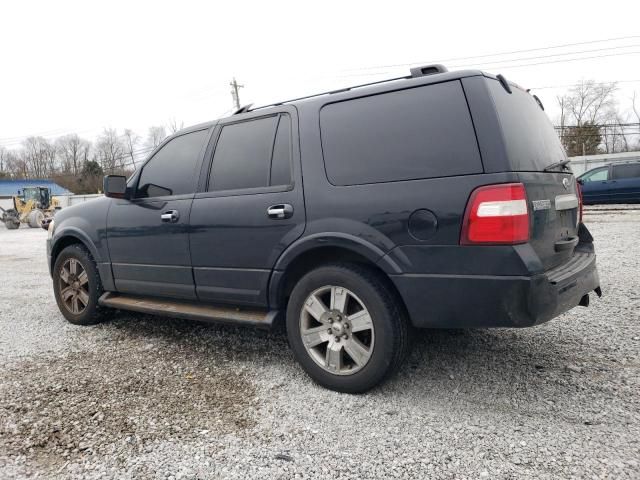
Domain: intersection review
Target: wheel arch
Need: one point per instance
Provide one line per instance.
(71, 237)
(317, 250)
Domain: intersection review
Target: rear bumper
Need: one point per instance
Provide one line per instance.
(475, 301)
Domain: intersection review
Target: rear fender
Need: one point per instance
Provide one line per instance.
(344, 241)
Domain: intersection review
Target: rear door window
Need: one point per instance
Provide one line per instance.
(422, 132)
(631, 170)
(172, 170)
(252, 154)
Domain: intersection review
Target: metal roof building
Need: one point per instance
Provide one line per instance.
(9, 188)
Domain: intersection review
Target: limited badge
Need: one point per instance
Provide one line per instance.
(541, 204)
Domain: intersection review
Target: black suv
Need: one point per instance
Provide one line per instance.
(440, 199)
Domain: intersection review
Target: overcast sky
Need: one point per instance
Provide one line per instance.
(82, 66)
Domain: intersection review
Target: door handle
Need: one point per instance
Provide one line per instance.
(170, 216)
(279, 212)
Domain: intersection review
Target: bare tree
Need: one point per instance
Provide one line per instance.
(590, 102)
(636, 113)
(72, 152)
(155, 136)
(174, 126)
(109, 151)
(131, 140)
(4, 154)
(583, 110)
(39, 157)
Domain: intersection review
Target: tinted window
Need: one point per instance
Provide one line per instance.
(631, 170)
(530, 139)
(409, 134)
(281, 161)
(243, 155)
(599, 175)
(172, 170)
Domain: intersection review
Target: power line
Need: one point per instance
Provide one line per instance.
(455, 59)
(569, 60)
(488, 66)
(564, 54)
(578, 84)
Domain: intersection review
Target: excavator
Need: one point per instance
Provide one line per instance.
(33, 207)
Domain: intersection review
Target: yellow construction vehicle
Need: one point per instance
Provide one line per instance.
(32, 207)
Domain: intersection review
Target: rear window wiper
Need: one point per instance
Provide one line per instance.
(562, 164)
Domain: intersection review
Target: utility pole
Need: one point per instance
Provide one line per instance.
(234, 93)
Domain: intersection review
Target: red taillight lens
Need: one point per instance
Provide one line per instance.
(580, 204)
(496, 214)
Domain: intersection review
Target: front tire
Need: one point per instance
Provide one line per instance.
(77, 286)
(346, 327)
(35, 218)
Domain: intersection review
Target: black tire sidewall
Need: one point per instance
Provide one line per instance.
(368, 289)
(90, 314)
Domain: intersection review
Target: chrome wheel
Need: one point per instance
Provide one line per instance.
(337, 330)
(74, 286)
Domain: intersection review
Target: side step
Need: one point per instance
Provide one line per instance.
(189, 310)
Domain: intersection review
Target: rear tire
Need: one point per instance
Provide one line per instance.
(12, 224)
(77, 286)
(346, 327)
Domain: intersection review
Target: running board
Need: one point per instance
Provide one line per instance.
(189, 310)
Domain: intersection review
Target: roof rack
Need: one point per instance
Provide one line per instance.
(414, 73)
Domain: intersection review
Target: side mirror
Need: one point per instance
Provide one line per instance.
(580, 181)
(114, 186)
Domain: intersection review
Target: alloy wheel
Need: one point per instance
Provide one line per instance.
(337, 330)
(74, 286)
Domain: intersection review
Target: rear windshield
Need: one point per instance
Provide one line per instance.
(531, 141)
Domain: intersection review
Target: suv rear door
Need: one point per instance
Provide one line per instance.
(625, 183)
(249, 208)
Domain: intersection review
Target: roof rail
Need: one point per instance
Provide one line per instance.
(415, 72)
(428, 70)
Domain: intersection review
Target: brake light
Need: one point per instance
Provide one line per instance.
(496, 214)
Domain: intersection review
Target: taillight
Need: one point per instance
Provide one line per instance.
(580, 202)
(496, 214)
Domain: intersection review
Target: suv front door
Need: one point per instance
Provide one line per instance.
(596, 186)
(148, 234)
(250, 206)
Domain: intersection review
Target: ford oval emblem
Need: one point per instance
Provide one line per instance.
(565, 183)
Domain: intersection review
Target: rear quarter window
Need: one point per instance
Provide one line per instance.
(417, 133)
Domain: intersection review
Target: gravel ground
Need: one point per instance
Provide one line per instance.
(148, 397)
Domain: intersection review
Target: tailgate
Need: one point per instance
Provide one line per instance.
(532, 146)
(553, 203)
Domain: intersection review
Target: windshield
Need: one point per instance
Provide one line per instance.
(531, 141)
(31, 194)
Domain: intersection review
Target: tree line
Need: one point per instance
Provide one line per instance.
(591, 121)
(79, 164)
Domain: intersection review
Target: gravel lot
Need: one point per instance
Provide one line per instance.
(149, 397)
